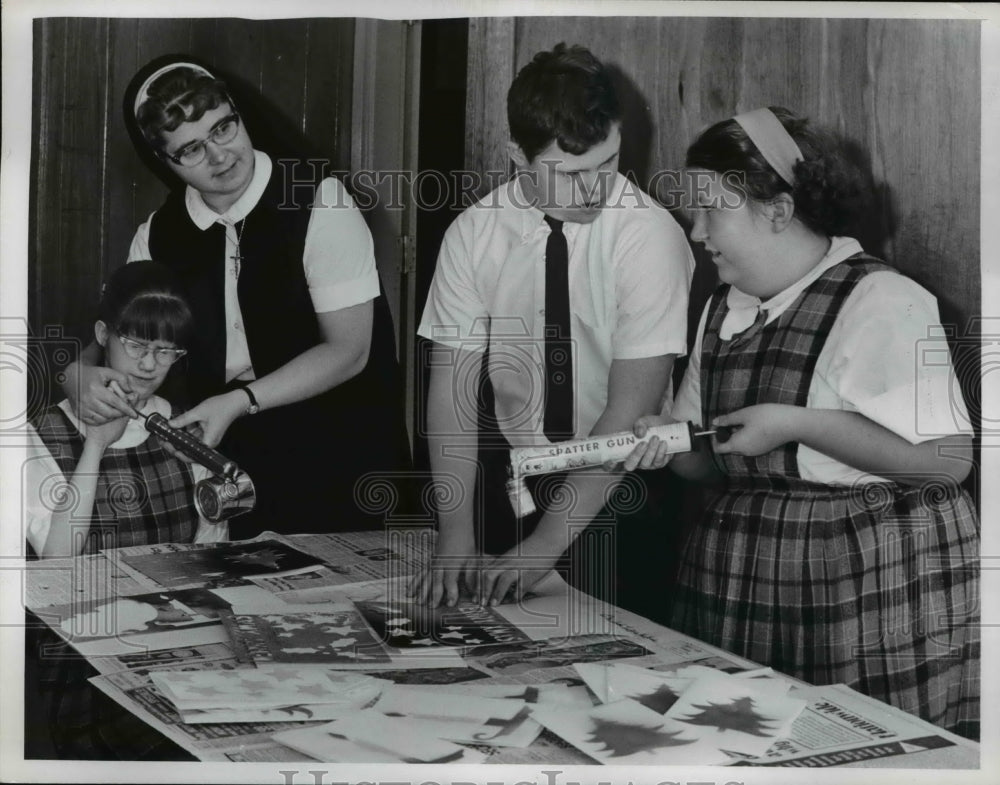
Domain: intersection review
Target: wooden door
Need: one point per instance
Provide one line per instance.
(384, 161)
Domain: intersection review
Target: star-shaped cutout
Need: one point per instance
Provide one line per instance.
(291, 625)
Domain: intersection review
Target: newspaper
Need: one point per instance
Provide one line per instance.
(174, 659)
(838, 726)
(64, 581)
(214, 742)
(350, 558)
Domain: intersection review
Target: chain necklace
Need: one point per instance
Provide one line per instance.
(238, 256)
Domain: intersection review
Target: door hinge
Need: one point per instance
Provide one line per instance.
(407, 254)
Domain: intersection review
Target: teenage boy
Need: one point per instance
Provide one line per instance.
(570, 285)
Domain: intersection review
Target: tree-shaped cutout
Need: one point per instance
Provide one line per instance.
(661, 699)
(738, 714)
(624, 738)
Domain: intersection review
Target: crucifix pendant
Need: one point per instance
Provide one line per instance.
(237, 258)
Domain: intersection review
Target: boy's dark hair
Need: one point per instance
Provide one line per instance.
(831, 193)
(143, 300)
(180, 95)
(566, 95)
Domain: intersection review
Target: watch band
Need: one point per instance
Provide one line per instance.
(254, 407)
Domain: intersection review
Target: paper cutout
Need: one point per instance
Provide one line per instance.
(316, 638)
(738, 714)
(405, 625)
(621, 738)
(217, 689)
(223, 563)
(626, 732)
(741, 715)
(370, 737)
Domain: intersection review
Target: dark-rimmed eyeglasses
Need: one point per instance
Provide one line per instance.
(137, 350)
(193, 153)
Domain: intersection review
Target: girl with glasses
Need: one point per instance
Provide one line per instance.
(107, 485)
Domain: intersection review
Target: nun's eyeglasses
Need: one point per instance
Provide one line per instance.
(193, 153)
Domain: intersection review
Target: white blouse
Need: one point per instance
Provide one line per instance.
(886, 358)
(338, 257)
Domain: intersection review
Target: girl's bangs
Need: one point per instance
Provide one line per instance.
(156, 317)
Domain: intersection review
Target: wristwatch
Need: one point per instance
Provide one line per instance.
(254, 407)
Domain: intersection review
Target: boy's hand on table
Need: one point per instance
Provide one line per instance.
(454, 567)
(509, 577)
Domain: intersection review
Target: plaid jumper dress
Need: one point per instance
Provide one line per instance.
(143, 496)
(874, 586)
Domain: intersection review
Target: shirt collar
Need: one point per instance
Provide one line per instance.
(532, 218)
(204, 216)
(135, 430)
(742, 308)
(841, 248)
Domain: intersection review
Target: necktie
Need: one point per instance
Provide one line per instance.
(558, 422)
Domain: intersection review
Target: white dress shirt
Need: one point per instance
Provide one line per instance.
(629, 276)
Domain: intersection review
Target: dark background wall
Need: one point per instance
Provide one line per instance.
(91, 189)
(907, 92)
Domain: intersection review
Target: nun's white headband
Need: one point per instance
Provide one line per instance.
(143, 94)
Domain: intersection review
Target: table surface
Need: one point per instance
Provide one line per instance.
(963, 755)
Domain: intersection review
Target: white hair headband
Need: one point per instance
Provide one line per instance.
(773, 140)
(143, 94)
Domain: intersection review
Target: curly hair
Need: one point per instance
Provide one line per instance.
(180, 95)
(566, 95)
(831, 193)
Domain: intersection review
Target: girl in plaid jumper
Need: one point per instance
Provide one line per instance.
(837, 545)
(124, 487)
(106, 486)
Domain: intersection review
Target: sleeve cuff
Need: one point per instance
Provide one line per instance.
(452, 338)
(343, 295)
